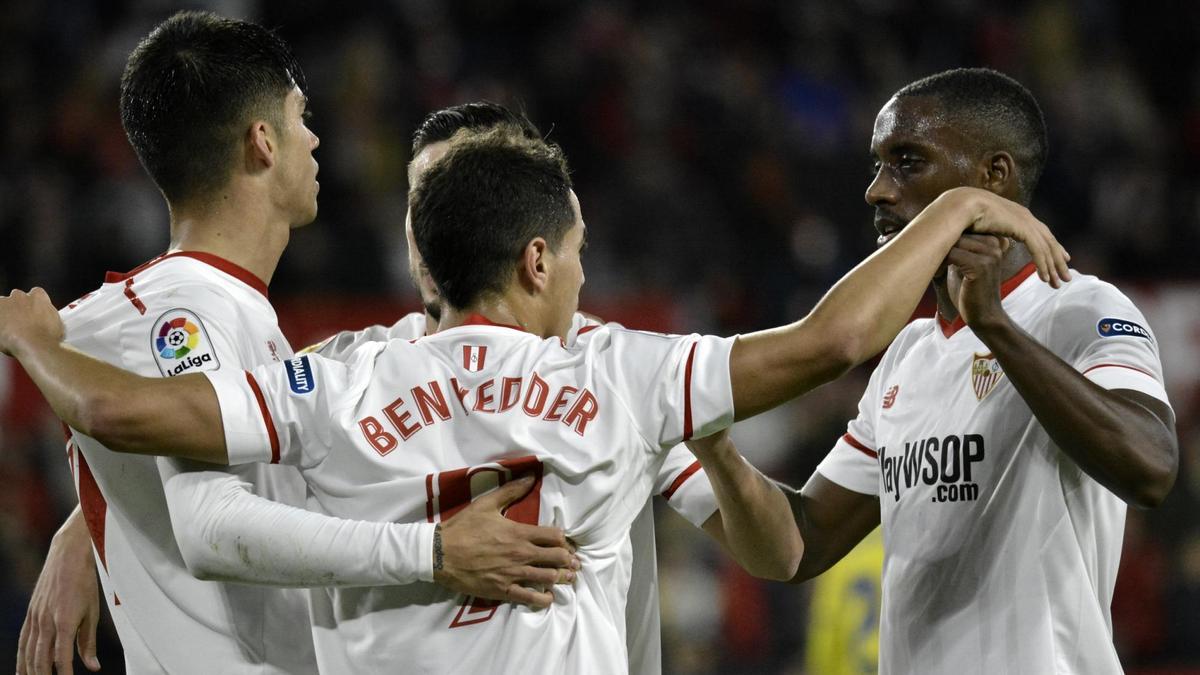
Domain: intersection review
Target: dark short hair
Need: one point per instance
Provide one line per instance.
(441, 125)
(476, 209)
(997, 109)
(189, 90)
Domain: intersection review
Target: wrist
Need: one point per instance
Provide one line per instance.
(992, 325)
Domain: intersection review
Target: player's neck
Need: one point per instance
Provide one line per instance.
(245, 231)
(947, 286)
(500, 310)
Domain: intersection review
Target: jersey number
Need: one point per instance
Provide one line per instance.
(449, 491)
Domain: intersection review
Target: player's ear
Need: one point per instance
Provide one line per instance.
(535, 269)
(260, 146)
(1000, 174)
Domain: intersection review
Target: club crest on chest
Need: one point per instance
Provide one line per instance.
(985, 375)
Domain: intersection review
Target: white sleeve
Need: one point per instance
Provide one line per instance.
(1102, 334)
(853, 462)
(675, 387)
(338, 347)
(227, 533)
(281, 413)
(683, 484)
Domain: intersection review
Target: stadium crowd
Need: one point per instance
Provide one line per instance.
(734, 133)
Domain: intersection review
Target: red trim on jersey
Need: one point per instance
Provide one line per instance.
(232, 269)
(587, 329)
(854, 443)
(481, 320)
(949, 328)
(133, 298)
(687, 394)
(1120, 365)
(681, 479)
(93, 505)
(266, 414)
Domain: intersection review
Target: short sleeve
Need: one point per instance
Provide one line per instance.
(281, 413)
(675, 387)
(1100, 332)
(683, 484)
(853, 462)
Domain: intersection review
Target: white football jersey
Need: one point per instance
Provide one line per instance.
(681, 482)
(412, 431)
(181, 313)
(1000, 553)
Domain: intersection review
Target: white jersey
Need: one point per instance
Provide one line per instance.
(412, 431)
(180, 313)
(1000, 553)
(681, 482)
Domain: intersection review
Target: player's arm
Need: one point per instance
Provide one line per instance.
(124, 411)
(832, 520)
(864, 311)
(1124, 439)
(754, 522)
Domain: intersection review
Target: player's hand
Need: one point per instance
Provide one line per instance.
(65, 607)
(26, 318)
(975, 269)
(489, 556)
(993, 214)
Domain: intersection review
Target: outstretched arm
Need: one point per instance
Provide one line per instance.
(121, 410)
(754, 522)
(864, 311)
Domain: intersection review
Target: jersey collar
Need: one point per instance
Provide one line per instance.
(949, 328)
(481, 320)
(232, 269)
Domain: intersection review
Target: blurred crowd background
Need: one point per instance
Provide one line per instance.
(720, 151)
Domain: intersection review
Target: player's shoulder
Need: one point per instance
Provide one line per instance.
(909, 336)
(1086, 290)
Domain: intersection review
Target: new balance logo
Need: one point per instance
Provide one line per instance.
(889, 399)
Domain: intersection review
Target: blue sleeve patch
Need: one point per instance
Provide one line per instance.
(1117, 327)
(301, 377)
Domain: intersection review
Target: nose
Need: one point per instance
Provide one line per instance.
(882, 189)
(316, 140)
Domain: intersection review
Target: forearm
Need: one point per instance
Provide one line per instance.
(125, 411)
(1115, 440)
(227, 533)
(756, 521)
(856, 319)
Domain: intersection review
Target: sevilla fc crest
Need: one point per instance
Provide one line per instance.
(985, 375)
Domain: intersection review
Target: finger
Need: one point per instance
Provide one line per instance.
(506, 494)
(86, 640)
(43, 653)
(983, 244)
(23, 644)
(64, 658)
(528, 596)
(968, 262)
(544, 576)
(540, 535)
(551, 557)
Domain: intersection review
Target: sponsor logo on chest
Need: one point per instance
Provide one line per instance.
(944, 464)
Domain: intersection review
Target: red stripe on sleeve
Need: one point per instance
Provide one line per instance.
(687, 394)
(1120, 365)
(266, 414)
(854, 443)
(681, 479)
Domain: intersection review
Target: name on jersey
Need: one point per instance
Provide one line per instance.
(1117, 327)
(941, 463)
(428, 404)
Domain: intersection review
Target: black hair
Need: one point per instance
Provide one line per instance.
(442, 124)
(476, 209)
(190, 89)
(998, 108)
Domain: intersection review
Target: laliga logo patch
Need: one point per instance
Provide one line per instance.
(181, 344)
(1117, 327)
(985, 375)
(300, 375)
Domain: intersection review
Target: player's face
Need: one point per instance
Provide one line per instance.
(566, 281)
(298, 184)
(417, 270)
(917, 155)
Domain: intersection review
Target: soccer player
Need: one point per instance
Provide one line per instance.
(1000, 442)
(215, 110)
(680, 481)
(413, 431)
